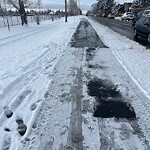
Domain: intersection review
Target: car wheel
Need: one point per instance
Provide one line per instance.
(148, 38)
(135, 33)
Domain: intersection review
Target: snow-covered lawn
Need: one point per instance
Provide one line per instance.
(27, 57)
(16, 20)
(40, 74)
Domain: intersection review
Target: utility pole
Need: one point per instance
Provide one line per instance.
(65, 10)
(38, 14)
(79, 7)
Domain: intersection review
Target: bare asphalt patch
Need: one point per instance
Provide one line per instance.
(110, 101)
(86, 36)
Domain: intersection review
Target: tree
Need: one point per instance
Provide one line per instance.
(19, 5)
(4, 14)
(1, 10)
(144, 3)
(135, 6)
(94, 10)
(103, 7)
(73, 8)
(38, 15)
(139, 5)
(109, 5)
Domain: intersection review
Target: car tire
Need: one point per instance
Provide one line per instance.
(148, 38)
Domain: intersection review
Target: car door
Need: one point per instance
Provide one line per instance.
(142, 25)
(139, 25)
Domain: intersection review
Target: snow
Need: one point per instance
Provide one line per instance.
(28, 55)
(37, 72)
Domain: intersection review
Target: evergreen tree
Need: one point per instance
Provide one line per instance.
(105, 6)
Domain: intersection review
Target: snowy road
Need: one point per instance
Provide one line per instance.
(52, 86)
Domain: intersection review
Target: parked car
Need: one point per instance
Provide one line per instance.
(139, 15)
(104, 15)
(146, 12)
(111, 16)
(127, 16)
(142, 28)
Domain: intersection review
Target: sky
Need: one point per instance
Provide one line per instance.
(84, 4)
(59, 4)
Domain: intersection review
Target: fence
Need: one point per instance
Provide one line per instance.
(16, 20)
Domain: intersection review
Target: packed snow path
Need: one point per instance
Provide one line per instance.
(49, 100)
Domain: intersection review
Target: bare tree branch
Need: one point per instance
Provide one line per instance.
(14, 5)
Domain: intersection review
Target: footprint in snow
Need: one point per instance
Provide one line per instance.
(33, 107)
(8, 112)
(22, 128)
(7, 129)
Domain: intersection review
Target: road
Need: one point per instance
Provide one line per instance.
(124, 28)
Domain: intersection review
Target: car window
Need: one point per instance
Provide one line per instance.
(146, 12)
(146, 21)
(140, 13)
(142, 19)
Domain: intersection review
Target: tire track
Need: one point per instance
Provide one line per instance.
(142, 106)
(6, 41)
(111, 129)
(75, 137)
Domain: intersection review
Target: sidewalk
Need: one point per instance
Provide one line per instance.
(95, 104)
(80, 87)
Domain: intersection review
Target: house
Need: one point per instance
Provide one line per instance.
(127, 7)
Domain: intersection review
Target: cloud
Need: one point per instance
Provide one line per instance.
(85, 7)
(52, 5)
(60, 5)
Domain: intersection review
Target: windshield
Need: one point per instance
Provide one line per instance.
(147, 12)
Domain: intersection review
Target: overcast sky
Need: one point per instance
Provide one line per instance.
(84, 4)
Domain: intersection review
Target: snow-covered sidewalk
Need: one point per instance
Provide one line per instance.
(42, 79)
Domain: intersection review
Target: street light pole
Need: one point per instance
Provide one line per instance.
(65, 10)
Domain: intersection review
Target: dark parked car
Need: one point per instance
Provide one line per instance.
(142, 28)
(139, 15)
